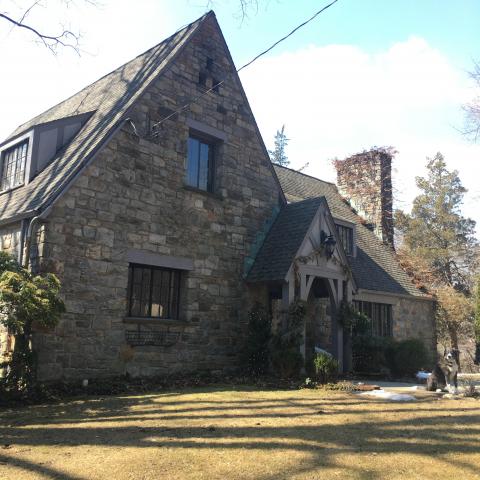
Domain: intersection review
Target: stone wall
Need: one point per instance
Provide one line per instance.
(365, 180)
(132, 197)
(10, 238)
(415, 319)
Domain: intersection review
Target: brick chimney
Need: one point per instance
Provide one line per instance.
(365, 180)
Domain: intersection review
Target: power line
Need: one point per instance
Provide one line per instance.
(288, 35)
(214, 87)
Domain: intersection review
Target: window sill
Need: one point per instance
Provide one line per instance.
(202, 192)
(153, 321)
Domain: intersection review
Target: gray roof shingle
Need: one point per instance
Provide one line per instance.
(283, 241)
(110, 99)
(375, 266)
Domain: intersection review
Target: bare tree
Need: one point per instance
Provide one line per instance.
(244, 7)
(65, 38)
(472, 109)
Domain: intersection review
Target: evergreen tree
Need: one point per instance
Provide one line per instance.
(436, 231)
(26, 301)
(441, 248)
(279, 155)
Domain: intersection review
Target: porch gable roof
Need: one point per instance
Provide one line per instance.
(283, 240)
(375, 267)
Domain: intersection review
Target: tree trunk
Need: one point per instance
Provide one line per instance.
(454, 341)
(20, 376)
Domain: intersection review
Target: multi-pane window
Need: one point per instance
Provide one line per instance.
(380, 315)
(13, 166)
(346, 237)
(153, 292)
(200, 164)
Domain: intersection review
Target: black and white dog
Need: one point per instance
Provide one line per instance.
(444, 375)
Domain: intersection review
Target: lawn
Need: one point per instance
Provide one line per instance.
(226, 433)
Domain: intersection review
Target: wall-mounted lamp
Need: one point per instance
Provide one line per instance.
(329, 242)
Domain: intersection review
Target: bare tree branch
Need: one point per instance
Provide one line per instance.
(472, 110)
(244, 7)
(66, 38)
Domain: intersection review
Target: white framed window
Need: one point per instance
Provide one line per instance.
(13, 166)
(346, 237)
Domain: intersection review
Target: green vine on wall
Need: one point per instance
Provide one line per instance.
(353, 321)
(285, 345)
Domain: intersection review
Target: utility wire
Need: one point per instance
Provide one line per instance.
(213, 87)
(288, 35)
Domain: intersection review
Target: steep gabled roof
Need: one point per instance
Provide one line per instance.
(110, 99)
(375, 266)
(283, 240)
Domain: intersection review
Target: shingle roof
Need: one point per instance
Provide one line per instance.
(110, 99)
(375, 266)
(283, 241)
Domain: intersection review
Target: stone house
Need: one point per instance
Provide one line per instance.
(165, 222)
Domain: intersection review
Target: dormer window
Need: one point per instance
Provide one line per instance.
(13, 166)
(345, 234)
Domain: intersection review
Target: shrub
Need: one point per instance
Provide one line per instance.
(354, 322)
(258, 338)
(409, 356)
(286, 360)
(369, 353)
(326, 367)
(26, 301)
(285, 346)
(376, 354)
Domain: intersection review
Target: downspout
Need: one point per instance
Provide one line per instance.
(28, 237)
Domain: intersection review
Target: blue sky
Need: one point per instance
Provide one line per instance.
(452, 27)
(363, 73)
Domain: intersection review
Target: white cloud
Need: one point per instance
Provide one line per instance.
(338, 99)
(335, 100)
(112, 33)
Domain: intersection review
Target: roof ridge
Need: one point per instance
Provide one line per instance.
(18, 130)
(305, 174)
(111, 97)
(306, 200)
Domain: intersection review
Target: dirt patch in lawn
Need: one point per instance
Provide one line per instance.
(220, 433)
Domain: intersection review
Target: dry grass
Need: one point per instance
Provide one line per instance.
(222, 433)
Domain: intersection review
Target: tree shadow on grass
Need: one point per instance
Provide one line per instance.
(209, 424)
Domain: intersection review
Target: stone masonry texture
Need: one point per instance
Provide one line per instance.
(365, 180)
(132, 196)
(414, 318)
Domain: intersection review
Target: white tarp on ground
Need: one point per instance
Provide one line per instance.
(422, 375)
(393, 397)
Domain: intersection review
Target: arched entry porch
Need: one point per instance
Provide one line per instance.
(304, 261)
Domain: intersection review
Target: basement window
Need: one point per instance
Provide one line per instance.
(13, 166)
(153, 292)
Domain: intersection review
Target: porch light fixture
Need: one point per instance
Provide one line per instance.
(329, 243)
